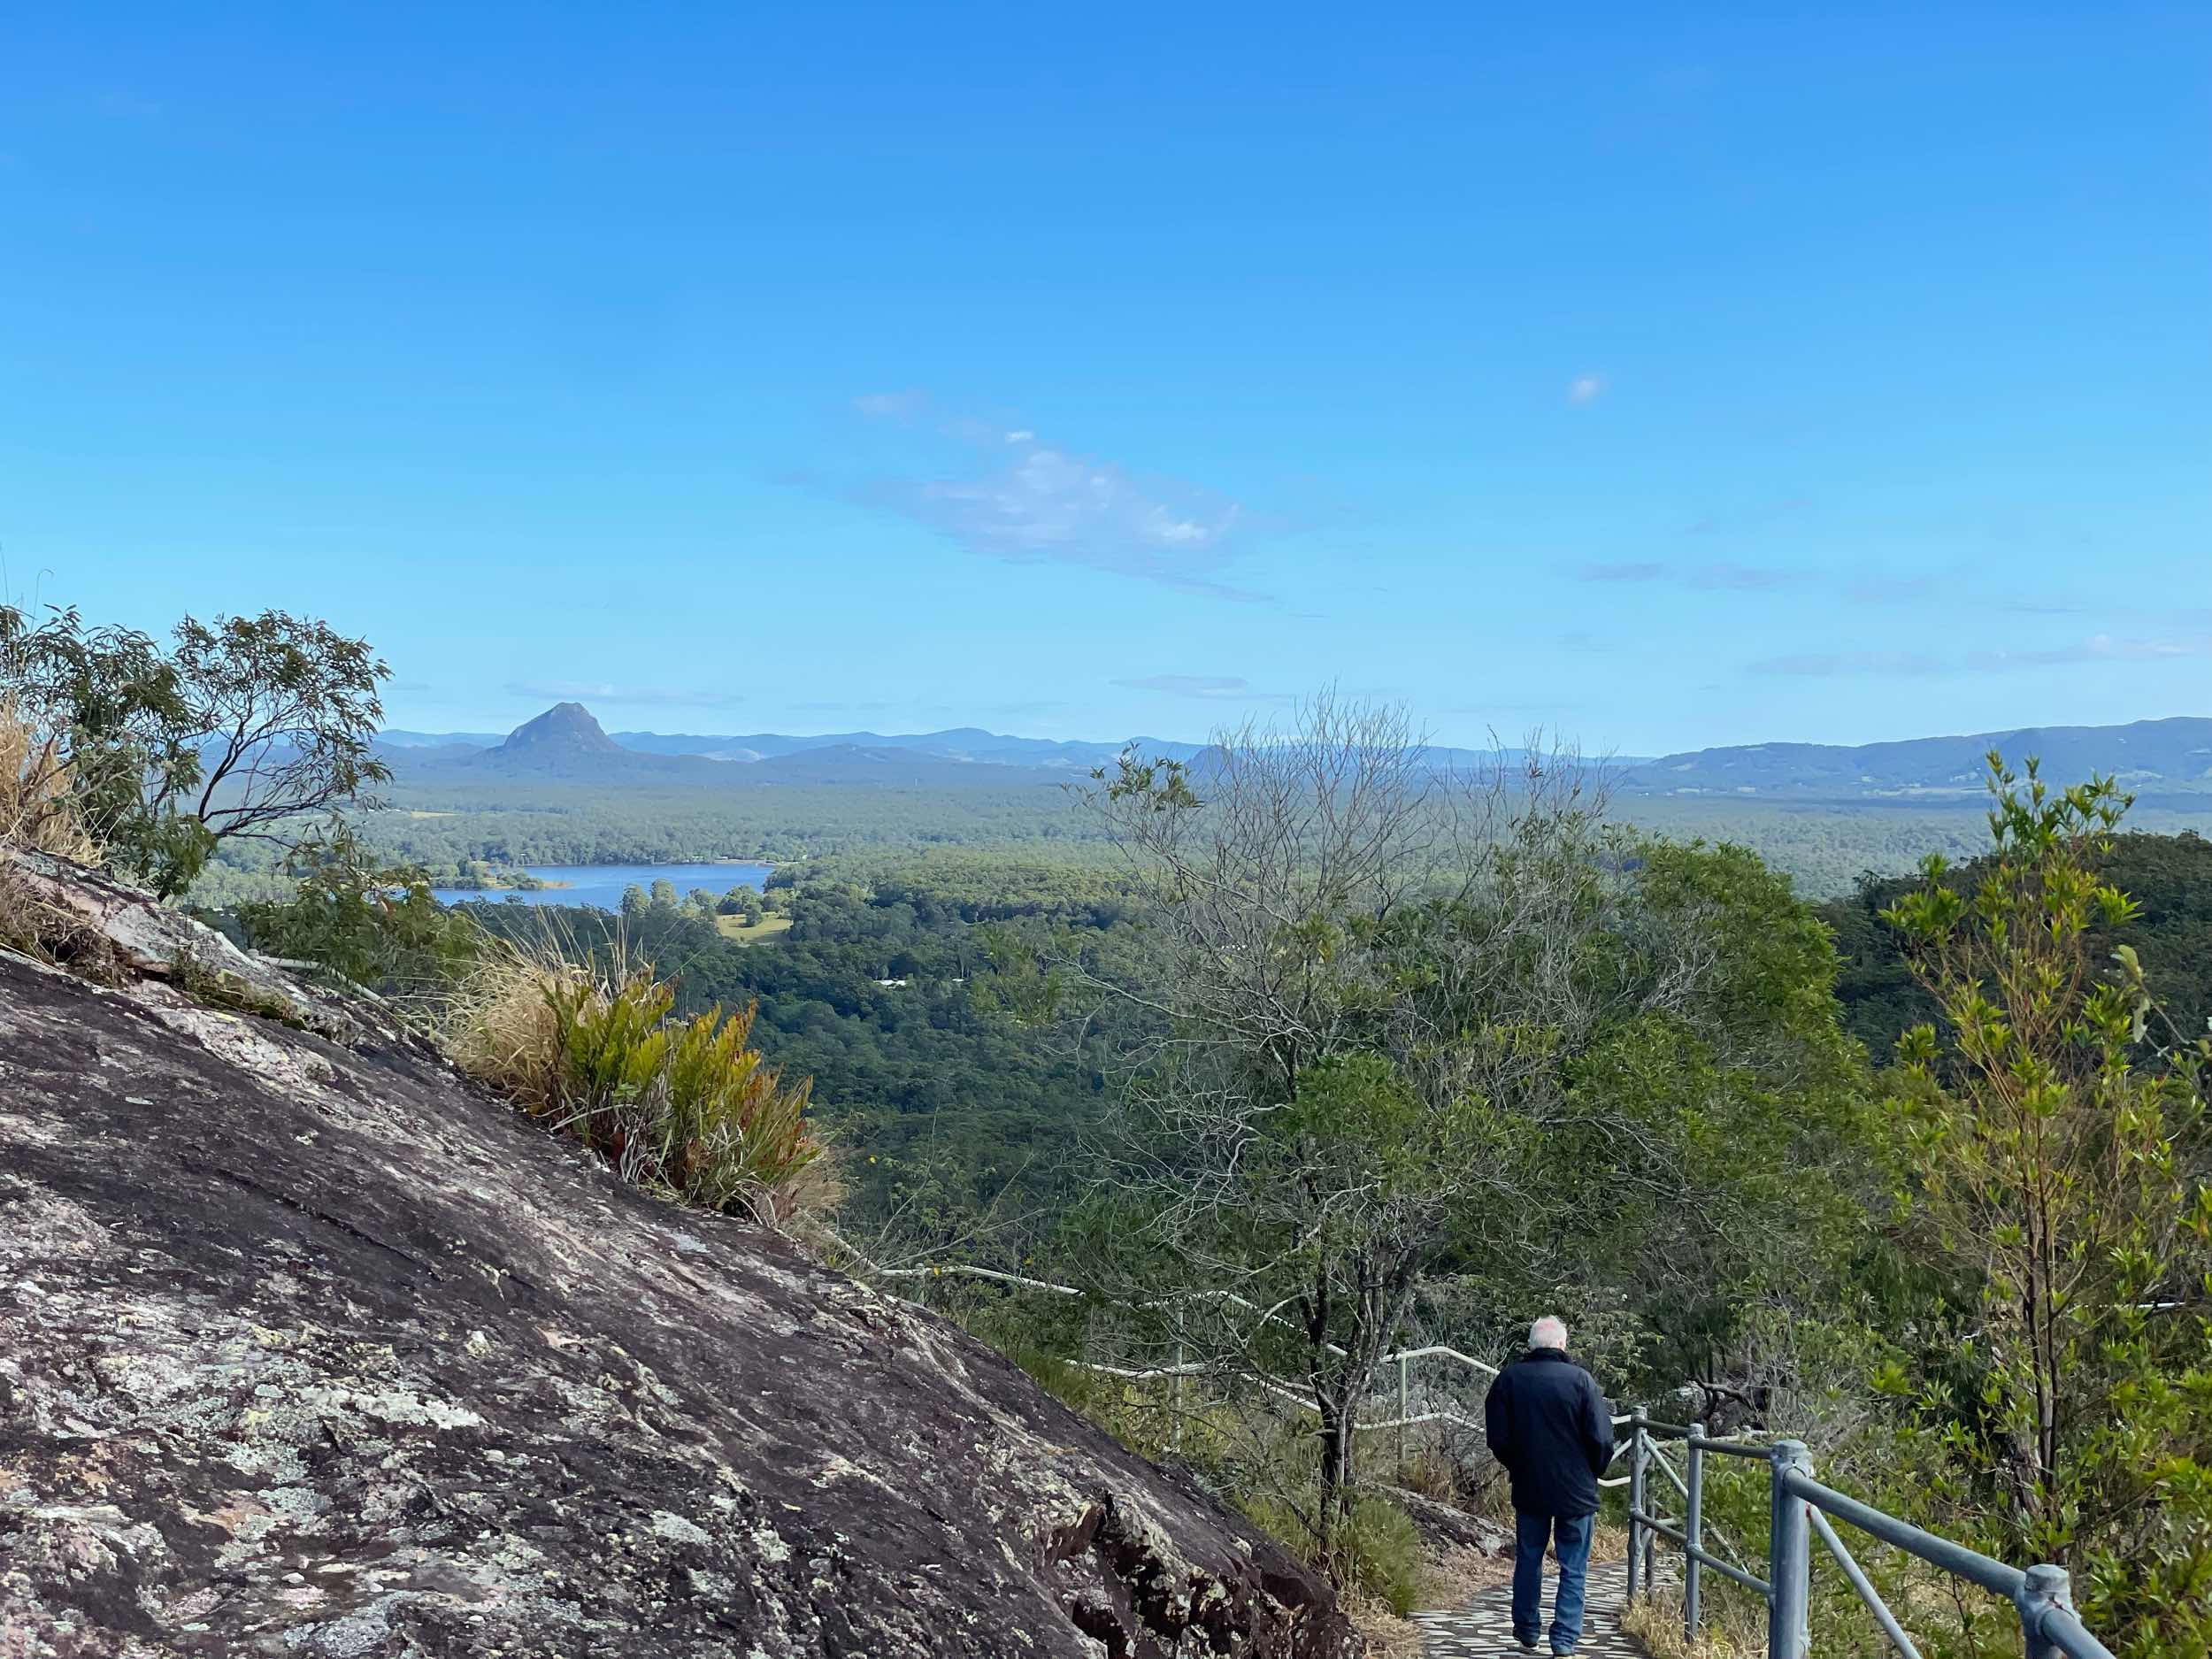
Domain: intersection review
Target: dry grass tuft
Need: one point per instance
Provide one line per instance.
(1656, 1620)
(684, 1106)
(39, 812)
(38, 804)
(498, 1025)
(815, 1188)
(53, 933)
(1455, 1577)
(1388, 1636)
(19, 909)
(24, 919)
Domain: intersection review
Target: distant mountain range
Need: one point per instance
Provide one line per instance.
(964, 745)
(2148, 758)
(566, 744)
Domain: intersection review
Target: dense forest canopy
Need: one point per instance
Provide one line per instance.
(1824, 848)
(936, 1091)
(2170, 877)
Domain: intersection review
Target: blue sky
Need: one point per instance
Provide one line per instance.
(1666, 375)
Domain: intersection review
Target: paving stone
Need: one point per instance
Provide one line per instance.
(1483, 1629)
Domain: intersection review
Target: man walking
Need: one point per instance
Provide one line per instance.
(1550, 1427)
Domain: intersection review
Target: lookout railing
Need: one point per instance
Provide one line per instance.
(1800, 1509)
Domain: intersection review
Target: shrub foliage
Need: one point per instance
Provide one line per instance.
(684, 1106)
(2055, 1146)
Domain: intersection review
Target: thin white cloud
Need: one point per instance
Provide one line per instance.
(2101, 647)
(1203, 687)
(1859, 588)
(605, 691)
(1744, 520)
(1705, 577)
(1585, 388)
(1825, 664)
(122, 104)
(1879, 589)
(1030, 501)
(891, 406)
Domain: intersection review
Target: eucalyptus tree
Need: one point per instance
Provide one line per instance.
(247, 728)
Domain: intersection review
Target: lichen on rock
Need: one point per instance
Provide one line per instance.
(307, 1347)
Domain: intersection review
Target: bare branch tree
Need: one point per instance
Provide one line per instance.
(1374, 970)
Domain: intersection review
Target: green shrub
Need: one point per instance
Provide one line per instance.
(1380, 1553)
(684, 1106)
(1376, 1551)
(371, 924)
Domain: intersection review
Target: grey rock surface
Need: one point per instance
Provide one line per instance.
(310, 1349)
(114, 931)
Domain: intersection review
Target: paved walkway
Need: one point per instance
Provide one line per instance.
(1483, 1629)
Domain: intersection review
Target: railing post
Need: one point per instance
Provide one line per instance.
(1405, 1410)
(1789, 1554)
(1637, 1452)
(1692, 1529)
(1175, 1420)
(1651, 1551)
(2044, 1588)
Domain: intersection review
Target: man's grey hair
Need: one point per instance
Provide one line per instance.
(1549, 1331)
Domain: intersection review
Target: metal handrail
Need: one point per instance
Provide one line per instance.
(2060, 1626)
(1799, 1509)
(1734, 1449)
(1690, 1500)
(1864, 1585)
(2041, 1595)
(1758, 1586)
(1955, 1559)
(1402, 1358)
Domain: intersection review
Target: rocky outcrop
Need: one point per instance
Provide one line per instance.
(308, 1348)
(111, 933)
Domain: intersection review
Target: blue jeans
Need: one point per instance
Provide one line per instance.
(1531, 1534)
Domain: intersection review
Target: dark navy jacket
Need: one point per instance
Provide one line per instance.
(1548, 1424)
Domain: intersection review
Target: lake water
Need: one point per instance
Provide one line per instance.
(601, 885)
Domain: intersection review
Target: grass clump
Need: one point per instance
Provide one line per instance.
(52, 933)
(1729, 1631)
(38, 802)
(1375, 1553)
(40, 812)
(683, 1106)
(1382, 1554)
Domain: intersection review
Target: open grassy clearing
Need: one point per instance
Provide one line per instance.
(767, 927)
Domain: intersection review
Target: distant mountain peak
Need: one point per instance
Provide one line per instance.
(566, 726)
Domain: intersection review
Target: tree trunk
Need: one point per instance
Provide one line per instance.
(1338, 1477)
